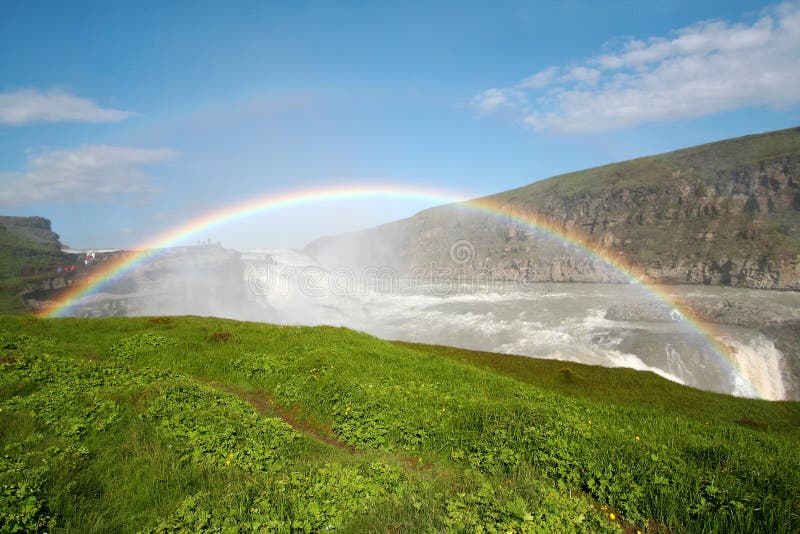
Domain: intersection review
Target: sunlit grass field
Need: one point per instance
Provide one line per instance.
(192, 424)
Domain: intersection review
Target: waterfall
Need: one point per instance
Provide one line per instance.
(760, 367)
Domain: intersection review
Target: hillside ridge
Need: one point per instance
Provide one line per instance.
(725, 213)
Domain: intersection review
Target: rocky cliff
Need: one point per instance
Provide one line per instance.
(30, 254)
(32, 229)
(724, 213)
(28, 246)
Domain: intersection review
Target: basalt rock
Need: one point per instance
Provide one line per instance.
(727, 213)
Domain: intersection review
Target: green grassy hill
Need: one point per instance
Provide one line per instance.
(189, 424)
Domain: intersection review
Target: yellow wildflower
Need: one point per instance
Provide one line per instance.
(611, 516)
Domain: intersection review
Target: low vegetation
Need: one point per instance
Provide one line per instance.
(189, 424)
(704, 161)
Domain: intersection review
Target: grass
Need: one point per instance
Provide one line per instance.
(170, 424)
(702, 162)
(629, 388)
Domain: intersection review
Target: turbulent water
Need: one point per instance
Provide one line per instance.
(613, 325)
(558, 321)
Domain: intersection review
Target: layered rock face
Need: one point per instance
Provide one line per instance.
(727, 213)
(28, 247)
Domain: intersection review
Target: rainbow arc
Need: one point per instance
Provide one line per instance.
(113, 270)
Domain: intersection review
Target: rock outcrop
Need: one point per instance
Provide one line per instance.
(31, 229)
(727, 213)
(30, 255)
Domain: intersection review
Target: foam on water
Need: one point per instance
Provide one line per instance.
(553, 321)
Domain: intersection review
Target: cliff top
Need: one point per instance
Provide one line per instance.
(28, 248)
(701, 162)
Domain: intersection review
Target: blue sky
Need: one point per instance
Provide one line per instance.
(121, 119)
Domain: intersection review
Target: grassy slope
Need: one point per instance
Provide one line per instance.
(703, 161)
(126, 424)
(628, 388)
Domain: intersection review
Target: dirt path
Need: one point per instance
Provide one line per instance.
(291, 415)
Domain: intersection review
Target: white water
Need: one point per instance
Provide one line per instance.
(555, 321)
(759, 362)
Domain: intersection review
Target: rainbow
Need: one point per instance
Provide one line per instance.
(113, 270)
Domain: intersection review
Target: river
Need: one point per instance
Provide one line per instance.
(547, 320)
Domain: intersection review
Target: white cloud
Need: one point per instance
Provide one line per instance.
(702, 69)
(89, 173)
(492, 100)
(540, 79)
(32, 105)
(581, 74)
